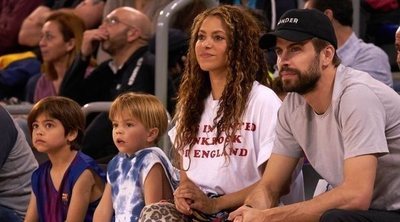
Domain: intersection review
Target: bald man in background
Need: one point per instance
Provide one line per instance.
(124, 34)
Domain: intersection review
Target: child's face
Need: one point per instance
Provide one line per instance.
(129, 134)
(48, 135)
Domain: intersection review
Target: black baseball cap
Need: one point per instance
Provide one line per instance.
(298, 25)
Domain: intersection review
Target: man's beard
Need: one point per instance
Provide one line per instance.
(108, 47)
(112, 46)
(305, 82)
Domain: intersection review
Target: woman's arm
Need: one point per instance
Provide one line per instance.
(31, 213)
(104, 210)
(200, 201)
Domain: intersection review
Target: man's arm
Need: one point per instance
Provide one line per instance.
(30, 31)
(11, 18)
(8, 135)
(274, 183)
(73, 82)
(93, 87)
(355, 193)
(90, 12)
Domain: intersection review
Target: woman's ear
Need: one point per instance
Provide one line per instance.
(71, 45)
(152, 135)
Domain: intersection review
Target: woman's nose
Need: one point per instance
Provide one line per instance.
(207, 43)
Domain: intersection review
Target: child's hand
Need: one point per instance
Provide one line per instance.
(182, 204)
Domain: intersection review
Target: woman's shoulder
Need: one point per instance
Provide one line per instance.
(259, 88)
(43, 81)
(260, 93)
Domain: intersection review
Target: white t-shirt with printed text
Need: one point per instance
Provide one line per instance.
(222, 174)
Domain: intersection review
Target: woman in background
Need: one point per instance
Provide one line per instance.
(60, 42)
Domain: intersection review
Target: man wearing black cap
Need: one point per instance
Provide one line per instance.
(345, 122)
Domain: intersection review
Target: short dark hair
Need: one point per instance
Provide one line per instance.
(67, 111)
(320, 44)
(342, 9)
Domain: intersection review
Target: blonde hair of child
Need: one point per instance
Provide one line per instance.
(145, 108)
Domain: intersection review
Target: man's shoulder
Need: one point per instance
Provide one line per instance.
(149, 58)
(370, 49)
(103, 67)
(143, 55)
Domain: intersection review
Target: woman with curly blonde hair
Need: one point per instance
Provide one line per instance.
(225, 116)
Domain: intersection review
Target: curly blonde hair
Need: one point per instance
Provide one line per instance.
(246, 64)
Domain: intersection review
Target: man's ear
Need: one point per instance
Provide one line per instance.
(329, 13)
(152, 135)
(133, 34)
(327, 55)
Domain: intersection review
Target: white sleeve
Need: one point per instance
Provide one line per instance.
(265, 117)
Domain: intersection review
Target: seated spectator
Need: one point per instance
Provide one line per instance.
(15, 71)
(139, 122)
(17, 163)
(353, 51)
(225, 119)
(12, 14)
(90, 11)
(68, 186)
(344, 121)
(60, 43)
(124, 34)
(151, 8)
(264, 8)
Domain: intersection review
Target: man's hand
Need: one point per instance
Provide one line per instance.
(246, 214)
(258, 198)
(90, 39)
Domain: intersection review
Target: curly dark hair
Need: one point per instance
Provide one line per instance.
(246, 64)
